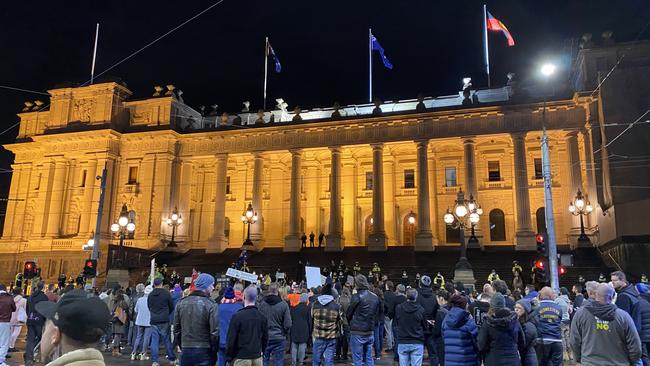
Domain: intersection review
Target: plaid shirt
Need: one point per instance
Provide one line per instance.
(326, 319)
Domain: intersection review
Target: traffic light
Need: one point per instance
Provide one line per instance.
(29, 270)
(540, 238)
(90, 268)
(562, 270)
(539, 264)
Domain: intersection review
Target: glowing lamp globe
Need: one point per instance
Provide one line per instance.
(123, 220)
(449, 218)
(548, 69)
(174, 216)
(411, 220)
(115, 228)
(130, 227)
(474, 218)
(461, 211)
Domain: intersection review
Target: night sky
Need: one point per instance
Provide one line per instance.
(322, 45)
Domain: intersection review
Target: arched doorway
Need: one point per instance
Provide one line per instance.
(540, 217)
(409, 227)
(497, 225)
(368, 225)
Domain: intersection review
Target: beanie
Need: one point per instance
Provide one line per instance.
(304, 297)
(526, 305)
(204, 281)
(229, 293)
(425, 281)
(498, 301)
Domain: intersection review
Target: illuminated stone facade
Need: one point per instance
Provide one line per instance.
(301, 174)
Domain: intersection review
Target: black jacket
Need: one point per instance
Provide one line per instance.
(196, 322)
(410, 323)
(389, 300)
(362, 313)
(300, 323)
(437, 328)
(33, 316)
(160, 306)
(501, 339)
(479, 310)
(530, 336)
(428, 301)
(248, 335)
(396, 300)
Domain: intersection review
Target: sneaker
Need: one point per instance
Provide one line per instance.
(133, 357)
(144, 357)
(152, 364)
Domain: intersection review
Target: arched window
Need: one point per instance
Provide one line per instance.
(368, 225)
(453, 235)
(497, 225)
(540, 216)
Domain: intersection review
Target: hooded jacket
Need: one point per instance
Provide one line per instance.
(33, 316)
(7, 307)
(300, 323)
(428, 301)
(326, 317)
(143, 315)
(501, 339)
(529, 355)
(362, 312)
(602, 334)
(80, 357)
(160, 306)
(277, 315)
(226, 312)
(459, 333)
(411, 322)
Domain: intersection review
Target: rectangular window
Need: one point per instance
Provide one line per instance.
(450, 177)
(538, 168)
(368, 181)
(409, 178)
(38, 181)
(302, 184)
(494, 171)
(329, 182)
(133, 175)
(83, 178)
(228, 185)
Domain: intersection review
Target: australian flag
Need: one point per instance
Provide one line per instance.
(270, 52)
(377, 47)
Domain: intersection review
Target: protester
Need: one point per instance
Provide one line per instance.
(278, 319)
(579, 297)
(460, 334)
(142, 325)
(389, 300)
(501, 339)
(119, 309)
(74, 326)
(629, 300)
(161, 306)
(344, 338)
(602, 334)
(7, 307)
(501, 287)
(411, 322)
(378, 332)
(51, 293)
(590, 287)
(361, 315)
(133, 329)
(35, 322)
(18, 317)
(247, 334)
(227, 309)
(196, 324)
(300, 330)
(442, 296)
(480, 307)
(326, 324)
(548, 318)
(567, 309)
(523, 310)
(400, 297)
(428, 301)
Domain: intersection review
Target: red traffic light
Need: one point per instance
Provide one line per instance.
(90, 264)
(562, 270)
(539, 264)
(28, 266)
(539, 238)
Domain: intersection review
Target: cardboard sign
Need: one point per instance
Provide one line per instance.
(241, 275)
(187, 280)
(313, 276)
(279, 275)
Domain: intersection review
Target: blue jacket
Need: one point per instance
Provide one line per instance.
(459, 332)
(226, 311)
(547, 318)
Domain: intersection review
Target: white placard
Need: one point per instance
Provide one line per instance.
(279, 275)
(323, 279)
(187, 280)
(313, 276)
(231, 272)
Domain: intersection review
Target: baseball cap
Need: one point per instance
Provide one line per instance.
(77, 315)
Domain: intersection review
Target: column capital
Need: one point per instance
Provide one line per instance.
(259, 154)
(422, 143)
(469, 140)
(295, 152)
(377, 146)
(221, 156)
(570, 134)
(520, 135)
(335, 149)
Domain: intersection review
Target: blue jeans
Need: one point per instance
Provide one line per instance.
(197, 357)
(410, 354)
(222, 356)
(161, 332)
(274, 347)
(324, 348)
(378, 334)
(361, 346)
(143, 337)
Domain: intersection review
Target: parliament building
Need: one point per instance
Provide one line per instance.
(375, 175)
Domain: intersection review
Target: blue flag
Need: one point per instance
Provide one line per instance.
(270, 52)
(377, 47)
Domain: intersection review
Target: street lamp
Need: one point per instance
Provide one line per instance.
(122, 227)
(580, 206)
(411, 220)
(249, 217)
(174, 220)
(90, 244)
(465, 212)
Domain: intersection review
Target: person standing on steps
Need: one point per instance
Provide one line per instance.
(312, 236)
(303, 240)
(321, 237)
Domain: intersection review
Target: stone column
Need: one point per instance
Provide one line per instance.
(470, 181)
(292, 240)
(335, 240)
(87, 226)
(312, 192)
(220, 242)
(349, 190)
(377, 240)
(54, 204)
(257, 229)
(423, 237)
(433, 191)
(590, 220)
(524, 237)
(391, 220)
(574, 180)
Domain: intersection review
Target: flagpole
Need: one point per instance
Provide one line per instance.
(92, 69)
(485, 37)
(370, 65)
(266, 69)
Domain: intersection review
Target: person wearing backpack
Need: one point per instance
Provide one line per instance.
(119, 309)
(35, 322)
(628, 300)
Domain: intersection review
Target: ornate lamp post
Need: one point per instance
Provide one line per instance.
(122, 227)
(174, 220)
(411, 220)
(249, 217)
(580, 206)
(466, 212)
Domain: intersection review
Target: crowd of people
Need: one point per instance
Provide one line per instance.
(350, 320)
